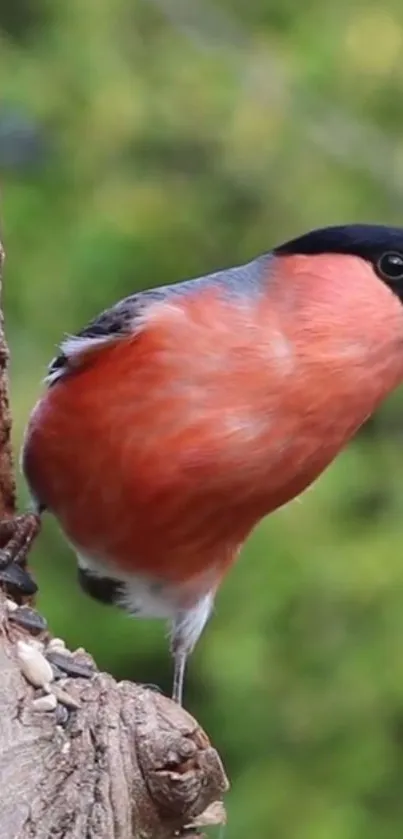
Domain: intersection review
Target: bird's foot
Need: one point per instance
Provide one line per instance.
(16, 537)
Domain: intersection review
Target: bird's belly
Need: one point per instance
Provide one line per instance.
(172, 511)
(141, 596)
(167, 477)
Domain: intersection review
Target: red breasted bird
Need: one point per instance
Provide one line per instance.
(183, 415)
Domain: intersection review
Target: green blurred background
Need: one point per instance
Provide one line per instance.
(143, 142)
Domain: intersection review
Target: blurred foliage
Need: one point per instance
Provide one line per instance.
(145, 142)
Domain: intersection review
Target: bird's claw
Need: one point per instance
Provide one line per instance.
(16, 537)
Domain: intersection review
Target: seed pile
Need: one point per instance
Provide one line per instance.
(48, 665)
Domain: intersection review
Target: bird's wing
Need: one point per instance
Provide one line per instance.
(125, 318)
(117, 322)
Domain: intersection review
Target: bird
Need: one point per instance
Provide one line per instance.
(180, 417)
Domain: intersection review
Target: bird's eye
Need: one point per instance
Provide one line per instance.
(390, 266)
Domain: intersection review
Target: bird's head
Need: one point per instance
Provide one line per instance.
(341, 290)
(359, 251)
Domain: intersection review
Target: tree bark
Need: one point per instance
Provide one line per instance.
(7, 477)
(84, 757)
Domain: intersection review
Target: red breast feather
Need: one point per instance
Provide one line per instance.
(163, 450)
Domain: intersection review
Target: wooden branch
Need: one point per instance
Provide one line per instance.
(84, 756)
(7, 479)
(126, 763)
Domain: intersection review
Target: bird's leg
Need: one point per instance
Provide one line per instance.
(16, 537)
(186, 630)
(180, 659)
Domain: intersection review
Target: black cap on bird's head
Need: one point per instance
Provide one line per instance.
(380, 245)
